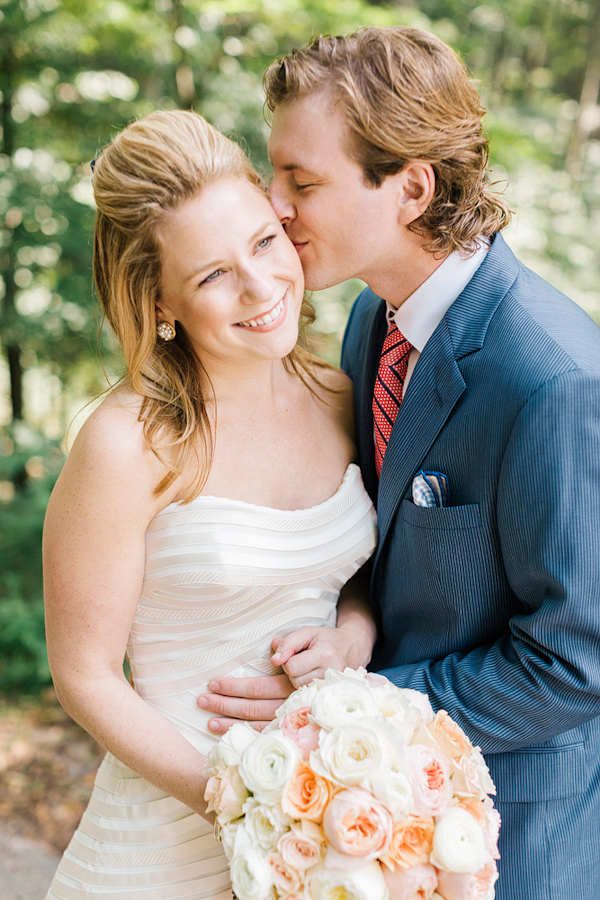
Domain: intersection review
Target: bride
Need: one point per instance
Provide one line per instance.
(208, 504)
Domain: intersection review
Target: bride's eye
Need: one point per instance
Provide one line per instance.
(265, 242)
(212, 277)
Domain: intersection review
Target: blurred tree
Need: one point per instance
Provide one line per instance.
(74, 72)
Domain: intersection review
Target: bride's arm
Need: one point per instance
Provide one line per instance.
(94, 538)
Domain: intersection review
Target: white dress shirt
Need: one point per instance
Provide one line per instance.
(421, 313)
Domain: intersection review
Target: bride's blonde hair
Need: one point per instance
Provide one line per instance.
(150, 168)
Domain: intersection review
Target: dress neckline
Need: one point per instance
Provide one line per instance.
(351, 475)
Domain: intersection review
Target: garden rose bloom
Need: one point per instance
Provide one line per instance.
(470, 885)
(428, 773)
(459, 844)
(302, 846)
(394, 791)
(411, 843)
(352, 754)
(264, 824)
(306, 795)
(470, 775)
(227, 794)
(398, 708)
(357, 825)
(250, 875)
(300, 699)
(449, 736)
(488, 818)
(267, 765)
(229, 749)
(342, 703)
(363, 883)
(297, 726)
(418, 883)
(285, 878)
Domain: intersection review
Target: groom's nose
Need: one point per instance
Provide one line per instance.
(281, 202)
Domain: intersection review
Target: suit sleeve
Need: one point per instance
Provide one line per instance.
(542, 677)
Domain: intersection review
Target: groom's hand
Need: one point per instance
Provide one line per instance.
(254, 700)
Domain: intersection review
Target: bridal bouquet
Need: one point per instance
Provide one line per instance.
(356, 790)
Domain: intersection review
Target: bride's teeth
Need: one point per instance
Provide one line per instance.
(266, 319)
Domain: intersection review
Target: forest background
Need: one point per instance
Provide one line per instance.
(74, 72)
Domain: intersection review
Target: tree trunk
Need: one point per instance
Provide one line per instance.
(588, 103)
(12, 349)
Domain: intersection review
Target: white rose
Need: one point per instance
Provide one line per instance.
(398, 709)
(393, 790)
(334, 676)
(421, 702)
(302, 697)
(470, 775)
(250, 875)
(364, 883)
(459, 844)
(264, 824)
(353, 754)
(229, 749)
(267, 765)
(342, 703)
(234, 838)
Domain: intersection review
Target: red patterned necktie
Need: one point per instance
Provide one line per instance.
(389, 384)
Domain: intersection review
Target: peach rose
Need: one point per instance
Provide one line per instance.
(469, 885)
(449, 736)
(285, 878)
(306, 795)
(302, 846)
(355, 824)
(410, 844)
(428, 773)
(226, 795)
(297, 726)
(470, 775)
(417, 883)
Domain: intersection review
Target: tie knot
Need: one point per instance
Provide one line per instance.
(395, 346)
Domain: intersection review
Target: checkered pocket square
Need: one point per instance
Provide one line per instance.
(430, 489)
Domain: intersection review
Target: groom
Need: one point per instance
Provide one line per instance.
(479, 442)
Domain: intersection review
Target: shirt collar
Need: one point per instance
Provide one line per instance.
(421, 313)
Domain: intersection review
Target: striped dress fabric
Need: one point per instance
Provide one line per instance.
(221, 578)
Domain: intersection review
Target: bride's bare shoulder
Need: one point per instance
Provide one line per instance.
(111, 442)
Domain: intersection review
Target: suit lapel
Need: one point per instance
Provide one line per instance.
(437, 383)
(366, 371)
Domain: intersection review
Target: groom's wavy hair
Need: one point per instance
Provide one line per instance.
(143, 175)
(405, 95)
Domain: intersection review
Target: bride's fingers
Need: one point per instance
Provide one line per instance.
(220, 725)
(288, 646)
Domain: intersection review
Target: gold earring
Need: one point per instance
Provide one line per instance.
(165, 331)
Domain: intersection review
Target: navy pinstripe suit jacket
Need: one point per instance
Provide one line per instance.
(492, 605)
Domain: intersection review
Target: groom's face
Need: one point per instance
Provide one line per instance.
(341, 226)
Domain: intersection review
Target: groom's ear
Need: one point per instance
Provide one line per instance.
(416, 187)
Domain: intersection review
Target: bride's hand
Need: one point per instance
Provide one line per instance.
(308, 652)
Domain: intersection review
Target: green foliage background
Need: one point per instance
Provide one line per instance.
(73, 72)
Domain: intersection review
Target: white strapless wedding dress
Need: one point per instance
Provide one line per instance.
(221, 578)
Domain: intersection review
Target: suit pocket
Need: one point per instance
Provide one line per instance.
(529, 776)
(445, 518)
(454, 558)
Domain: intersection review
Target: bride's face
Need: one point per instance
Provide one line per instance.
(230, 275)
